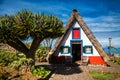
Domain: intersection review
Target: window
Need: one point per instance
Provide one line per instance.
(65, 49)
(88, 49)
(76, 33)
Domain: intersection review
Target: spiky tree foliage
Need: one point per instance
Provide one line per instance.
(17, 27)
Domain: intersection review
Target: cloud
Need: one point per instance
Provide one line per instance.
(103, 37)
(104, 27)
(105, 41)
(64, 15)
(109, 18)
(104, 23)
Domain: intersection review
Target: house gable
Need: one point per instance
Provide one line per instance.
(86, 38)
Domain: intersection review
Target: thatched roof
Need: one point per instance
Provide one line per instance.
(75, 17)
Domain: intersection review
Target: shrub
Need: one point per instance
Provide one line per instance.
(116, 61)
(41, 54)
(7, 57)
(22, 64)
(3, 74)
(40, 71)
(14, 61)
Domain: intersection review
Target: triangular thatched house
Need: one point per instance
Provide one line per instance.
(77, 43)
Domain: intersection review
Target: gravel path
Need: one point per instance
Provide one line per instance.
(71, 72)
(79, 72)
(113, 68)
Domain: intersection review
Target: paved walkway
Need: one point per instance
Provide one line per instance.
(71, 72)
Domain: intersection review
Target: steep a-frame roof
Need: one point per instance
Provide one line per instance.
(75, 17)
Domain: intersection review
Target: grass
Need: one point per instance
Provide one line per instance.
(101, 76)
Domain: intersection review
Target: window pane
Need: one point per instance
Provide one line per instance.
(65, 50)
(88, 50)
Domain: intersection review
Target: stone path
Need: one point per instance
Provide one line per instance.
(113, 68)
(78, 72)
(71, 72)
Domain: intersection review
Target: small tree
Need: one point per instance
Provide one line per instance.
(41, 53)
(24, 24)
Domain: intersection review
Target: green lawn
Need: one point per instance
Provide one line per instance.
(101, 76)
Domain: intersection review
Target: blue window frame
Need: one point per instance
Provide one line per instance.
(65, 49)
(88, 49)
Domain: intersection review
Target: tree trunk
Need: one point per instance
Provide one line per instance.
(34, 46)
(29, 53)
(18, 46)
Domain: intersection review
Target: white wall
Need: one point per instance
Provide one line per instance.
(67, 43)
(85, 41)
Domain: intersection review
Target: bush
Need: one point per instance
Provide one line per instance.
(7, 72)
(14, 61)
(18, 63)
(40, 71)
(7, 57)
(116, 61)
(3, 74)
(22, 63)
(41, 54)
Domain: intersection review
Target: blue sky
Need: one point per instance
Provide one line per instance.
(102, 16)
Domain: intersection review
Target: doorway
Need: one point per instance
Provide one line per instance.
(76, 51)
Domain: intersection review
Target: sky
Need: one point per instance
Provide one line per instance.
(101, 16)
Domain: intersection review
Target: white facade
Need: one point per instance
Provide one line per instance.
(85, 42)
